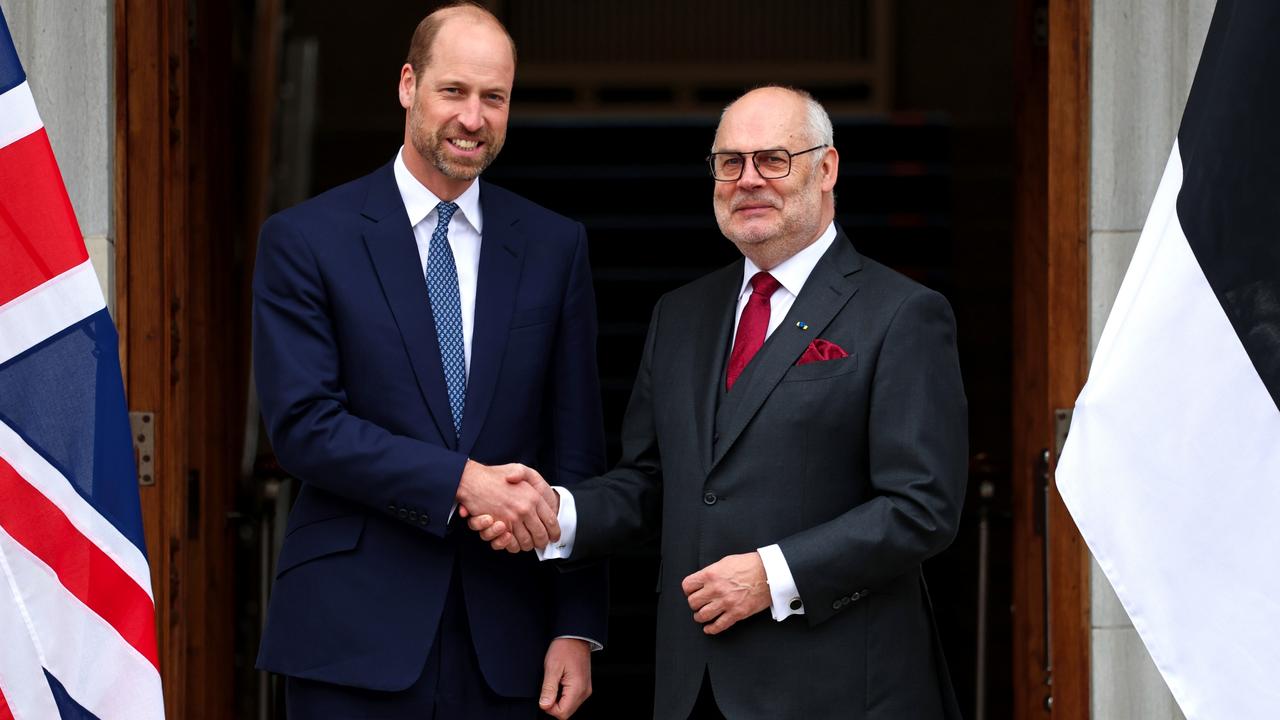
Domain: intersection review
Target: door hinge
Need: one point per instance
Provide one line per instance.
(1061, 426)
(143, 425)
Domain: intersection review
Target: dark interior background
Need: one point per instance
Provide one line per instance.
(926, 187)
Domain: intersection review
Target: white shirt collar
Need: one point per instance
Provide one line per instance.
(795, 270)
(421, 202)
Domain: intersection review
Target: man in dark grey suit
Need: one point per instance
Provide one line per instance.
(798, 433)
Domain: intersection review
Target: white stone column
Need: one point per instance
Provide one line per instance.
(1144, 59)
(66, 49)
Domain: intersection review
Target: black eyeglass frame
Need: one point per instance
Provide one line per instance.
(791, 156)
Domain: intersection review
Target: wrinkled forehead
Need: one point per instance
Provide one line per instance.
(761, 122)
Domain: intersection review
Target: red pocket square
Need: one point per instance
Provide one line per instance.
(820, 350)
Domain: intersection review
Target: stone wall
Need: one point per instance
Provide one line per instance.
(66, 49)
(1144, 59)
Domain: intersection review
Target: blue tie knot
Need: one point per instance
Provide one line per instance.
(445, 211)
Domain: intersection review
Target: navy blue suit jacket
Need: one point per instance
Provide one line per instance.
(348, 372)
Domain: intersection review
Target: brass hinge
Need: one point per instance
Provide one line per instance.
(1061, 426)
(143, 425)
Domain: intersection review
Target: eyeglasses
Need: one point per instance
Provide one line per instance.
(771, 164)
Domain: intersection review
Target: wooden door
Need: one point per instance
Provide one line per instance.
(181, 328)
(1051, 563)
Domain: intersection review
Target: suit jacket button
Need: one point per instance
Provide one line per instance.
(709, 498)
(391, 508)
(402, 513)
(837, 605)
(856, 596)
(424, 519)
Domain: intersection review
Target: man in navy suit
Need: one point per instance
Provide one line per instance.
(413, 329)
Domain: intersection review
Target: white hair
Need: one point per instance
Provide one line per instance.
(817, 122)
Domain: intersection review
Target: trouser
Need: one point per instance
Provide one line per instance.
(451, 687)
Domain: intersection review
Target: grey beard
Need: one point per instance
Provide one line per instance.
(458, 172)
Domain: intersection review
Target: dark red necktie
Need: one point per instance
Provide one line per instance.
(751, 326)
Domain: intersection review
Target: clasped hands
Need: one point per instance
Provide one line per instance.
(720, 595)
(513, 498)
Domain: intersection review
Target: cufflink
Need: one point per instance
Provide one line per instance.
(795, 604)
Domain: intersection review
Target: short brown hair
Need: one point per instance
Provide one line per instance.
(425, 35)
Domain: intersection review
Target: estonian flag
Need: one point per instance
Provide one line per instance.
(1172, 467)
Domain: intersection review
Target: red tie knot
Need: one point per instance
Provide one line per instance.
(762, 283)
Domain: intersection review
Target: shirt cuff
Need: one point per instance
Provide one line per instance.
(594, 645)
(568, 519)
(452, 511)
(782, 587)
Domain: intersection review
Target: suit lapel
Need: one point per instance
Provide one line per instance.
(390, 242)
(715, 325)
(825, 293)
(501, 258)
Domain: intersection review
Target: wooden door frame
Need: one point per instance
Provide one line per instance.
(1070, 33)
(176, 337)
(1051, 652)
(151, 289)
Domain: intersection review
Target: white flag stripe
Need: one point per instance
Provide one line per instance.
(18, 115)
(1172, 473)
(1163, 213)
(52, 484)
(22, 681)
(119, 682)
(48, 309)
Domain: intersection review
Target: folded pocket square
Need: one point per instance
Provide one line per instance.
(820, 350)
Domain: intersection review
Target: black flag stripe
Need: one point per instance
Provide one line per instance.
(1229, 204)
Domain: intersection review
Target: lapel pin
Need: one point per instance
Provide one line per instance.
(802, 325)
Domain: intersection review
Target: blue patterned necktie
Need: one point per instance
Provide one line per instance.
(446, 307)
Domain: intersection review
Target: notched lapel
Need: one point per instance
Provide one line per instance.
(708, 357)
(390, 242)
(828, 289)
(501, 259)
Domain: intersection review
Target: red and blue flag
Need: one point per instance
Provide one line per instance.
(77, 616)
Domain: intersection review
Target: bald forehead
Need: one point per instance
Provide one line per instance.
(470, 17)
(765, 118)
(463, 12)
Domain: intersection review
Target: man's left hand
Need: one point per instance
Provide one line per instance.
(724, 592)
(566, 681)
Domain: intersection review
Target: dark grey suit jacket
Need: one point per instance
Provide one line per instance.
(856, 467)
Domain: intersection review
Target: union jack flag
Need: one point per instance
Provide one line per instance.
(77, 618)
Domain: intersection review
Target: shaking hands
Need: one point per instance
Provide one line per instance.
(512, 499)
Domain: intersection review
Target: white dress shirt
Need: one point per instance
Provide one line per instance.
(791, 275)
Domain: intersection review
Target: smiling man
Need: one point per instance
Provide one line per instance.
(797, 433)
(421, 339)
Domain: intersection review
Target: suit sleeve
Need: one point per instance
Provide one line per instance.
(298, 375)
(918, 448)
(624, 506)
(582, 593)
